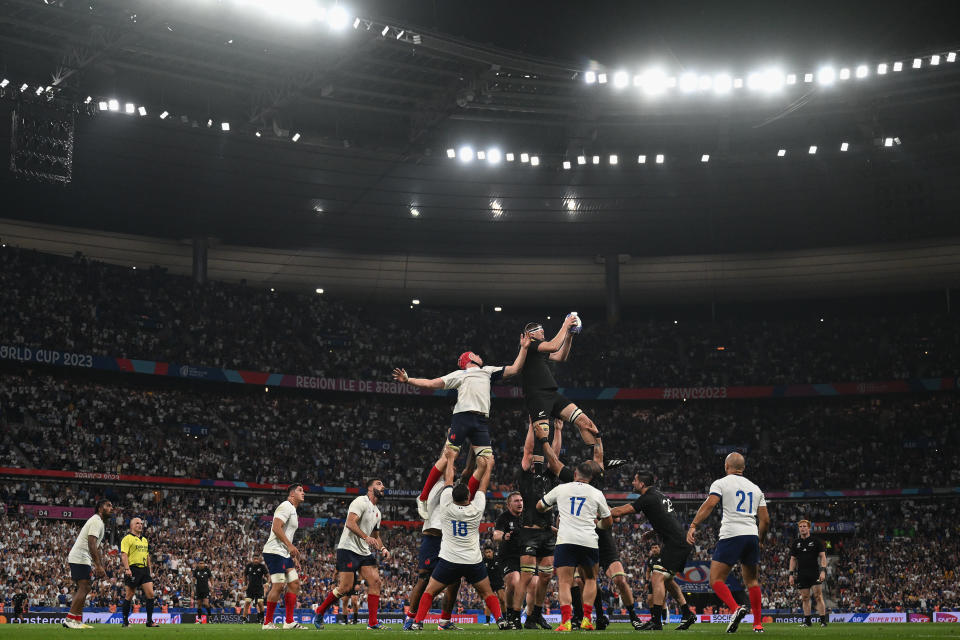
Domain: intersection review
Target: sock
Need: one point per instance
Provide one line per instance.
(756, 602)
(149, 610)
(271, 609)
(825, 618)
(435, 474)
(630, 610)
(566, 612)
(537, 611)
(656, 615)
(444, 614)
(126, 611)
(723, 591)
(289, 604)
(332, 597)
(685, 609)
(75, 618)
(577, 597)
(493, 603)
(587, 611)
(373, 603)
(424, 608)
(473, 484)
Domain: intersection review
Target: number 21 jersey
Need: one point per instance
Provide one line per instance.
(740, 499)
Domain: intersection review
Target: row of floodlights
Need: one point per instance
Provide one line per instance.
(655, 81)
(495, 156)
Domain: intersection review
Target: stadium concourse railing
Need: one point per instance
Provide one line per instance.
(29, 355)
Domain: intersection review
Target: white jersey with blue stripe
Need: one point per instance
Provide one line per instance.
(740, 499)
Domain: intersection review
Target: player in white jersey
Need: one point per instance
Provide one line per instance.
(460, 555)
(85, 560)
(354, 554)
(427, 559)
(583, 510)
(744, 524)
(283, 559)
(472, 411)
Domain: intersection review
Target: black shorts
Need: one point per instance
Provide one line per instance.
(496, 577)
(138, 577)
(18, 611)
(255, 591)
(81, 572)
(203, 595)
(508, 565)
(544, 404)
(807, 580)
(673, 556)
(608, 548)
(537, 542)
(471, 426)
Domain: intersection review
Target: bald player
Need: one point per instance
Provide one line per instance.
(135, 556)
(744, 524)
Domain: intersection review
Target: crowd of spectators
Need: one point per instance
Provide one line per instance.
(188, 430)
(902, 554)
(88, 307)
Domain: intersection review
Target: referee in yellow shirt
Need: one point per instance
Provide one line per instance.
(135, 556)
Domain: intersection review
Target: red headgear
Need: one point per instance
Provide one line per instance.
(466, 358)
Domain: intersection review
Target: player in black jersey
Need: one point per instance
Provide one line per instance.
(201, 578)
(536, 543)
(21, 605)
(673, 557)
(543, 401)
(495, 573)
(255, 573)
(808, 570)
(506, 531)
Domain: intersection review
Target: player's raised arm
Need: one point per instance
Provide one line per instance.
(400, 375)
(556, 344)
(563, 353)
(482, 474)
(702, 514)
(514, 369)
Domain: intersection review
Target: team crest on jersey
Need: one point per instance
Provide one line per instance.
(453, 436)
(349, 565)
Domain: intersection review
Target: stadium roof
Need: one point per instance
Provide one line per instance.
(378, 106)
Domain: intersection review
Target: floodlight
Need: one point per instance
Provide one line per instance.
(319, 290)
(451, 153)
(385, 31)
(4, 83)
(337, 17)
(952, 56)
(844, 146)
(781, 153)
(414, 212)
(510, 157)
(163, 116)
(86, 100)
(845, 73)
(659, 158)
(496, 208)
(114, 105)
(826, 75)
(466, 154)
(602, 78)
(400, 34)
(356, 22)
(209, 122)
(102, 105)
(812, 150)
(415, 301)
(621, 79)
(934, 60)
(481, 155)
(494, 156)
(571, 205)
(296, 137)
(130, 108)
(688, 82)
(917, 63)
(498, 309)
(808, 78)
(581, 160)
(705, 83)
(882, 69)
(738, 83)
(596, 159)
(862, 71)
(225, 126)
(897, 66)
(654, 82)
(705, 157)
(888, 142)
(566, 164)
(524, 157)
(534, 161)
(142, 111)
(24, 87)
(590, 77)
(791, 78)
(641, 159)
(614, 159)
(722, 83)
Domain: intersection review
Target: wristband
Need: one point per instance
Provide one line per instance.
(793, 573)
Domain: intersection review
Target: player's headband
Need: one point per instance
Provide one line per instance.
(532, 327)
(466, 358)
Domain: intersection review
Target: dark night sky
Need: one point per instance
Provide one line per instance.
(708, 34)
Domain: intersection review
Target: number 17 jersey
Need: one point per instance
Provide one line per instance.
(740, 500)
(460, 541)
(579, 505)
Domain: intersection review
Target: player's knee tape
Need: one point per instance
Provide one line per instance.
(666, 573)
(544, 569)
(620, 573)
(292, 575)
(453, 447)
(483, 452)
(247, 601)
(278, 578)
(526, 568)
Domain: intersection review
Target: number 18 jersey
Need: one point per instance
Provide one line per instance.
(740, 500)
(460, 541)
(579, 505)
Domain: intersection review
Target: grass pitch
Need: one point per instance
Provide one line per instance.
(470, 632)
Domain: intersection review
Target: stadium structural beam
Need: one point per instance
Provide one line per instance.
(611, 269)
